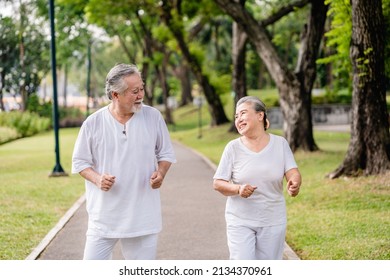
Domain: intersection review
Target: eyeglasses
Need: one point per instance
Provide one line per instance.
(137, 90)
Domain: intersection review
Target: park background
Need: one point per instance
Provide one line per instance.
(196, 62)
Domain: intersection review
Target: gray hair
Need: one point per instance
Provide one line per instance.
(114, 79)
(258, 106)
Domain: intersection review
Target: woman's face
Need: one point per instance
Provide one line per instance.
(247, 120)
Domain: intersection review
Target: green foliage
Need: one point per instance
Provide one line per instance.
(198, 52)
(338, 38)
(8, 45)
(157, 58)
(70, 117)
(42, 109)
(161, 33)
(24, 55)
(286, 33)
(174, 86)
(271, 98)
(7, 134)
(333, 97)
(221, 83)
(26, 124)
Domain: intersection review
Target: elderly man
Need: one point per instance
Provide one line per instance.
(123, 151)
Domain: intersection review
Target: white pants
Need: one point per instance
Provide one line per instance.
(135, 248)
(258, 243)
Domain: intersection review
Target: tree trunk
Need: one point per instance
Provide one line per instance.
(22, 87)
(306, 73)
(216, 109)
(65, 88)
(294, 88)
(2, 75)
(369, 146)
(239, 41)
(182, 72)
(262, 82)
(148, 89)
(162, 73)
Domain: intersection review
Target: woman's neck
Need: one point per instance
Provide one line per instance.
(256, 142)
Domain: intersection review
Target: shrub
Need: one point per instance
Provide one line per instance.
(8, 134)
(70, 117)
(25, 123)
(44, 109)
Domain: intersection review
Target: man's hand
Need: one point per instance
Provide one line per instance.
(156, 180)
(105, 182)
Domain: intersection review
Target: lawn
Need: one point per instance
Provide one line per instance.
(31, 201)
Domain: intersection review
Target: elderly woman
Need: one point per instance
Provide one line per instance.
(250, 174)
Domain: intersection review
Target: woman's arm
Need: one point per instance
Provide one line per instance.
(229, 189)
(294, 180)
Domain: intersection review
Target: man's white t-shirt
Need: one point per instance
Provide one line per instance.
(265, 170)
(131, 208)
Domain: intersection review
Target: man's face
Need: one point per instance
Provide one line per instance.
(132, 98)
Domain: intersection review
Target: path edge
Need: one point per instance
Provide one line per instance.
(55, 230)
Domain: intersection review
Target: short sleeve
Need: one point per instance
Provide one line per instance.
(225, 166)
(82, 155)
(289, 162)
(164, 149)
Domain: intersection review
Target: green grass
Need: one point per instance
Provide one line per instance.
(345, 218)
(31, 201)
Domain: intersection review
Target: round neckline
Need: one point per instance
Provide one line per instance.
(116, 120)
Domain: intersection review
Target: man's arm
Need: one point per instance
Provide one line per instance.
(158, 176)
(102, 181)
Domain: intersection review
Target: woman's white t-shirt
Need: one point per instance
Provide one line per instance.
(265, 170)
(131, 208)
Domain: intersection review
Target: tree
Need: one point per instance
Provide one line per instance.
(9, 53)
(72, 36)
(25, 72)
(133, 23)
(337, 41)
(369, 148)
(171, 13)
(239, 42)
(294, 87)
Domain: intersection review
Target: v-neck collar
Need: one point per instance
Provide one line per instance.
(266, 147)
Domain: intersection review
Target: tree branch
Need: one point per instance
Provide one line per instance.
(283, 11)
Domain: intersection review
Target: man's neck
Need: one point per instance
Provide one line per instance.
(119, 114)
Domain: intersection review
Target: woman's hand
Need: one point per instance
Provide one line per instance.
(246, 190)
(294, 180)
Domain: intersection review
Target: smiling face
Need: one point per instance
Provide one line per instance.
(131, 99)
(247, 120)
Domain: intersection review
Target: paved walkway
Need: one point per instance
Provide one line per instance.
(193, 218)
